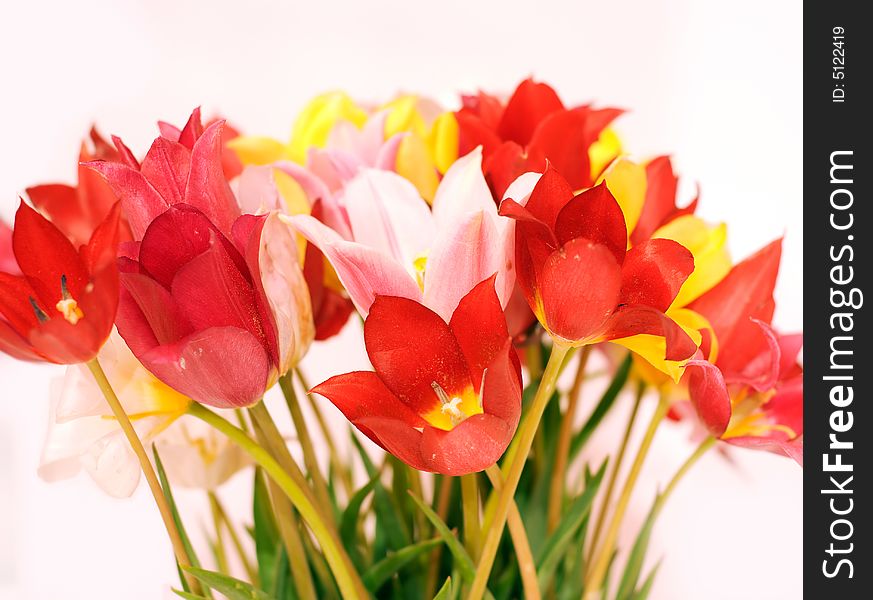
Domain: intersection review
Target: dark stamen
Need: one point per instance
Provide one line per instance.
(65, 291)
(38, 311)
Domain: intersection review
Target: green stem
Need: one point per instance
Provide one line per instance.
(283, 511)
(527, 566)
(441, 506)
(702, 449)
(613, 477)
(349, 583)
(235, 541)
(148, 471)
(470, 510)
(286, 382)
(597, 574)
(562, 450)
(526, 434)
(220, 554)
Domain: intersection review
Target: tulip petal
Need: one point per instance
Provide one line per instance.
(746, 292)
(225, 367)
(463, 190)
(471, 446)
(207, 188)
(141, 202)
(709, 395)
(578, 289)
(636, 320)
(148, 315)
(461, 258)
(653, 273)
(45, 256)
(166, 167)
(8, 264)
(364, 272)
(388, 215)
(412, 348)
(529, 105)
(595, 215)
(479, 327)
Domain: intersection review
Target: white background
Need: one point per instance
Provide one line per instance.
(716, 85)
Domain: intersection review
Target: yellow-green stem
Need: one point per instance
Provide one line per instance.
(526, 433)
(594, 582)
(702, 449)
(145, 464)
(613, 476)
(286, 382)
(286, 519)
(562, 450)
(235, 541)
(220, 554)
(339, 466)
(527, 566)
(347, 578)
(470, 510)
(441, 506)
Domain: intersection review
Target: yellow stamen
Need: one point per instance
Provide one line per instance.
(70, 309)
(452, 410)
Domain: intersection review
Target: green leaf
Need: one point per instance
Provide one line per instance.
(188, 595)
(637, 555)
(233, 589)
(646, 588)
(266, 533)
(349, 521)
(168, 495)
(602, 408)
(463, 562)
(445, 592)
(388, 517)
(376, 576)
(557, 543)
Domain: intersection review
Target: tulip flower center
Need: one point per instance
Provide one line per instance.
(452, 409)
(67, 305)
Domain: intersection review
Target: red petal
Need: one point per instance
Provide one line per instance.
(102, 248)
(473, 132)
(14, 345)
(480, 328)
(192, 131)
(45, 256)
(166, 167)
(332, 314)
(529, 105)
(470, 447)
(361, 395)
(640, 319)
(8, 264)
(224, 367)
(653, 273)
(746, 292)
(15, 306)
(595, 215)
(148, 315)
(709, 395)
(61, 203)
(207, 189)
(398, 438)
(411, 347)
(141, 202)
(660, 201)
(211, 292)
(564, 138)
(505, 163)
(550, 195)
(579, 287)
(501, 392)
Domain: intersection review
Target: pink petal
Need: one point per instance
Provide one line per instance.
(141, 202)
(364, 272)
(207, 188)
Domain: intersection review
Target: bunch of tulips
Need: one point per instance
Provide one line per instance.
(501, 258)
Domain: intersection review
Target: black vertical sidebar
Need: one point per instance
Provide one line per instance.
(838, 233)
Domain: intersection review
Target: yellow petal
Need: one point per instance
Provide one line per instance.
(404, 116)
(652, 348)
(627, 182)
(604, 151)
(315, 122)
(414, 163)
(257, 150)
(296, 203)
(708, 245)
(443, 141)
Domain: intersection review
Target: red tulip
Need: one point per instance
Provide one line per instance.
(752, 395)
(578, 276)
(77, 211)
(534, 126)
(213, 303)
(57, 303)
(444, 397)
(659, 207)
